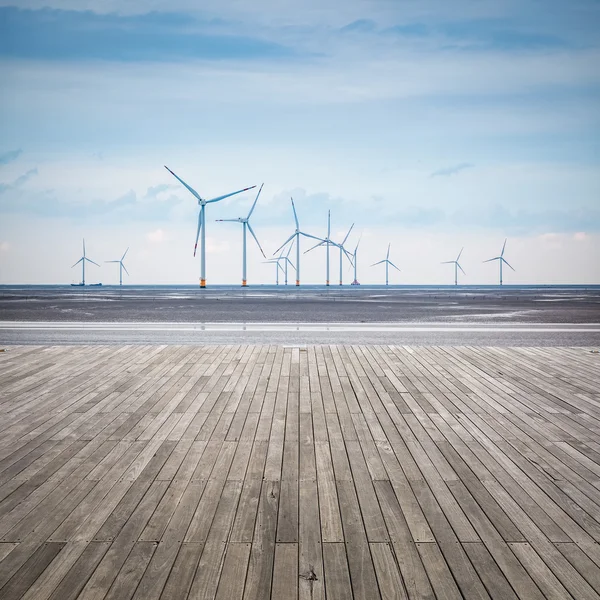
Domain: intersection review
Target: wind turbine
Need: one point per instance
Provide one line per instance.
(121, 266)
(286, 261)
(296, 235)
(202, 221)
(82, 261)
(387, 262)
(456, 266)
(277, 267)
(246, 226)
(501, 260)
(355, 282)
(344, 251)
(327, 242)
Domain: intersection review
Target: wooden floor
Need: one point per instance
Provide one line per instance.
(255, 472)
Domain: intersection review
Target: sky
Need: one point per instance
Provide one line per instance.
(430, 125)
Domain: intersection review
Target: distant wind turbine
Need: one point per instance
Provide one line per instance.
(246, 225)
(344, 251)
(501, 260)
(456, 266)
(354, 255)
(296, 235)
(387, 262)
(277, 267)
(286, 261)
(326, 242)
(82, 261)
(121, 266)
(202, 221)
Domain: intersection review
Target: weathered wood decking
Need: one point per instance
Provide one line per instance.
(332, 472)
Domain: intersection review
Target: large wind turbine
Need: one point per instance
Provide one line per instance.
(354, 254)
(202, 221)
(327, 242)
(456, 266)
(501, 260)
(296, 235)
(387, 262)
(121, 266)
(82, 261)
(246, 225)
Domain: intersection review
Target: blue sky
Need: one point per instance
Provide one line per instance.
(432, 125)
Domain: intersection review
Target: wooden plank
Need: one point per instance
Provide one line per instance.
(285, 572)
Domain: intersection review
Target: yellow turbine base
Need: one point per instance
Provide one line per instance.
(297, 282)
(327, 282)
(203, 283)
(244, 284)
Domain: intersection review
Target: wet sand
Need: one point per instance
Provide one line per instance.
(316, 304)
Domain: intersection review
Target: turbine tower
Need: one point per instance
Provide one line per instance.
(355, 282)
(501, 260)
(327, 242)
(456, 266)
(82, 261)
(387, 262)
(246, 226)
(296, 235)
(202, 221)
(121, 266)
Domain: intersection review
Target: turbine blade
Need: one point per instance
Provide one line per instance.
(358, 243)
(255, 201)
(198, 231)
(289, 250)
(506, 263)
(77, 262)
(231, 194)
(378, 263)
(290, 262)
(458, 257)
(90, 260)
(124, 255)
(314, 237)
(112, 261)
(491, 259)
(315, 246)
(125, 268)
(349, 256)
(388, 252)
(185, 185)
(84, 246)
(393, 265)
(255, 239)
(284, 243)
(228, 220)
(328, 224)
(460, 268)
(503, 246)
(449, 262)
(295, 215)
(349, 230)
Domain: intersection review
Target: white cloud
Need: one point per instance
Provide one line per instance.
(157, 236)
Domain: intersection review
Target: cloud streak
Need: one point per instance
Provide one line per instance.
(448, 171)
(7, 157)
(51, 34)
